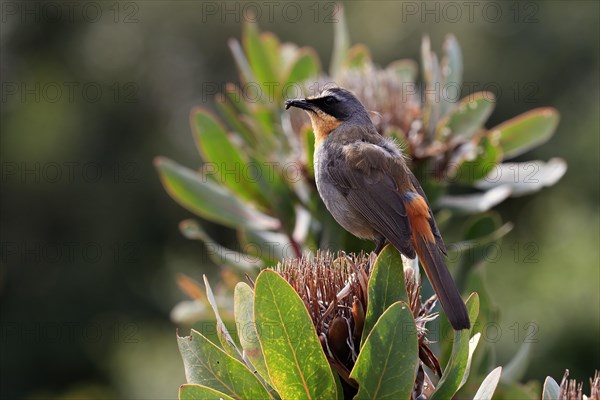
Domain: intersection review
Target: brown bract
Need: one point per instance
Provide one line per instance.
(570, 389)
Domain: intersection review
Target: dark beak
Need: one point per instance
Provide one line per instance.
(303, 104)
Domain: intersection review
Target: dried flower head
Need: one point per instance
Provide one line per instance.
(333, 288)
(570, 389)
(390, 91)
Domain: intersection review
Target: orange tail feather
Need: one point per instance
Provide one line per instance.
(431, 258)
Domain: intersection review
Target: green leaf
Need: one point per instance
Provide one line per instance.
(272, 45)
(341, 43)
(487, 157)
(224, 160)
(308, 141)
(516, 369)
(229, 113)
(531, 390)
(427, 61)
(199, 392)
(359, 56)
(219, 254)
(258, 58)
(293, 354)
(222, 333)
(275, 180)
(208, 365)
(452, 65)
(472, 346)
(481, 230)
(268, 246)
(203, 197)
(526, 131)
(451, 69)
(525, 177)
(551, 389)
(432, 79)
(479, 233)
(457, 365)
(488, 313)
(305, 66)
(488, 386)
(243, 309)
(433, 187)
(241, 61)
(264, 123)
(476, 202)
(188, 312)
(386, 366)
(467, 117)
(405, 70)
(386, 287)
(235, 95)
(482, 225)
(288, 53)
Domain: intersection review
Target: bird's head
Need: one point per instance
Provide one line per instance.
(331, 108)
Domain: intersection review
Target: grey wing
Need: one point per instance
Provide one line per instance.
(375, 196)
(434, 228)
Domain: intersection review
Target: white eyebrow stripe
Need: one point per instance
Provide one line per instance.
(324, 93)
(329, 92)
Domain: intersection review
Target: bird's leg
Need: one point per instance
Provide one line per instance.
(379, 245)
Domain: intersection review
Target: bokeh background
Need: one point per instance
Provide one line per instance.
(93, 91)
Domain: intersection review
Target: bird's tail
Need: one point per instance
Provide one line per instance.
(442, 282)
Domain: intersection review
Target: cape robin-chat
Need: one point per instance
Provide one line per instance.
(366, 185)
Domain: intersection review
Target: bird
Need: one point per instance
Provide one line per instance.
(365, 183)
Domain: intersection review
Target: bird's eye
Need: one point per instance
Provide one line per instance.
(330, 100)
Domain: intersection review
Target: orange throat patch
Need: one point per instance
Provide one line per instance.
(322, 125)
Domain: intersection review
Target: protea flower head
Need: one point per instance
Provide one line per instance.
(333, 288)
(570, 389)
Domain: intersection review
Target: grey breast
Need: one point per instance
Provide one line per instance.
(334, 198)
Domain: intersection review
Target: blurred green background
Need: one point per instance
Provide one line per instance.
(90, 247)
